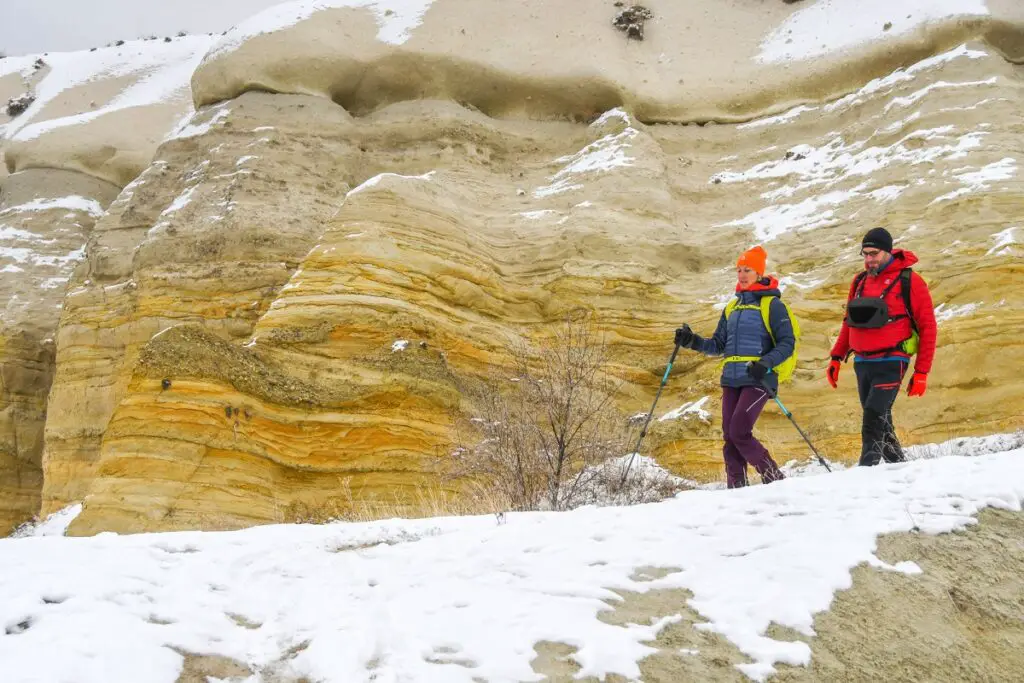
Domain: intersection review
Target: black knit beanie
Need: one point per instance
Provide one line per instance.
(878, 238)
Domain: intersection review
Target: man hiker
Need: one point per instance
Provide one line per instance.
(889, 318)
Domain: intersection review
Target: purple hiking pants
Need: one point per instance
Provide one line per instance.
(740, 410)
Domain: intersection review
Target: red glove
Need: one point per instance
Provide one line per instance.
(833, 372)
(918, 383)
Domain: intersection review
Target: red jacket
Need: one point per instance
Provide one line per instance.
(879, 342)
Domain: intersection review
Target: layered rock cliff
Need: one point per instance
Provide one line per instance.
(458, 176)
(88, 124)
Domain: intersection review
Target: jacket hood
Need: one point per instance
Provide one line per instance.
(901, 258)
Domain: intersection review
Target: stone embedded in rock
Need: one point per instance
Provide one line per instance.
(631, 21)
(16, 106)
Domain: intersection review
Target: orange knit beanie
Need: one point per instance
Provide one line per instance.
(756, 258)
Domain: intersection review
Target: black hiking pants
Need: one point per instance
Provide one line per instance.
(879, 384)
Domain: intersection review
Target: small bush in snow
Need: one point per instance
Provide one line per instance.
(547, 435)
(17, 105)
(619, 481)
(25, 529)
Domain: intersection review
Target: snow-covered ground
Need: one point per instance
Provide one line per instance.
(458, 599)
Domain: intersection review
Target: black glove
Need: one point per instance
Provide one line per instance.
(684, 335)
(757, 370)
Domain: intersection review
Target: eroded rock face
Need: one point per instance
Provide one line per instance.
(699, 61)
(227, 350)
(101, 112)
(91, 125)
(481, 229)
(45, 216)
(446, 258)
(208, 235)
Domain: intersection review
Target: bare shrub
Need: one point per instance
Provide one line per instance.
(545, 433)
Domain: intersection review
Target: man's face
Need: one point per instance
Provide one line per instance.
(746, 276)
(874, 259)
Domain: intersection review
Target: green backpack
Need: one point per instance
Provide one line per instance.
(785, 369)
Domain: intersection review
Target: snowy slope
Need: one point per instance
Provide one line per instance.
(453, 599)
(842, 169)
(396, 18)
(161, 72)
(827, 26)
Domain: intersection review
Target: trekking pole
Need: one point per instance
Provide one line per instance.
(773, 395)
(643, 432)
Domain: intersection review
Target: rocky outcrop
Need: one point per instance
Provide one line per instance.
(92, 124)
(207, 235)
(102, 112)
(699, 61)
(369, 204)
(42, 237)
(485, 229)
(438, 258)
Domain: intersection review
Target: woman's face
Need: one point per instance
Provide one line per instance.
(746, 275)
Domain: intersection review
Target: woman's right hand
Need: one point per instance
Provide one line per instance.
(684, 335)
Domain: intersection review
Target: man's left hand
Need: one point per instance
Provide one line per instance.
(757, 370)
(918, 384)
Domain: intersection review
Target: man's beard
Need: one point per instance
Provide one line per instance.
(875, 270)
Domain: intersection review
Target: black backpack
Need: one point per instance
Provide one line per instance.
(873, 312)
(903, 279)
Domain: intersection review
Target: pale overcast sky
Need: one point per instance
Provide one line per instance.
(30, 26)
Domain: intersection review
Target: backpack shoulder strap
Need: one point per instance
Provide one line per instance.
(766, 315)
(895, 280)
(858, 283)
(731, 306)
(905, 276)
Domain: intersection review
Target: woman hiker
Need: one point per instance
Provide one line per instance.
(751, 347)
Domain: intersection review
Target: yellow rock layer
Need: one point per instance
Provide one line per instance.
(45, 216)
